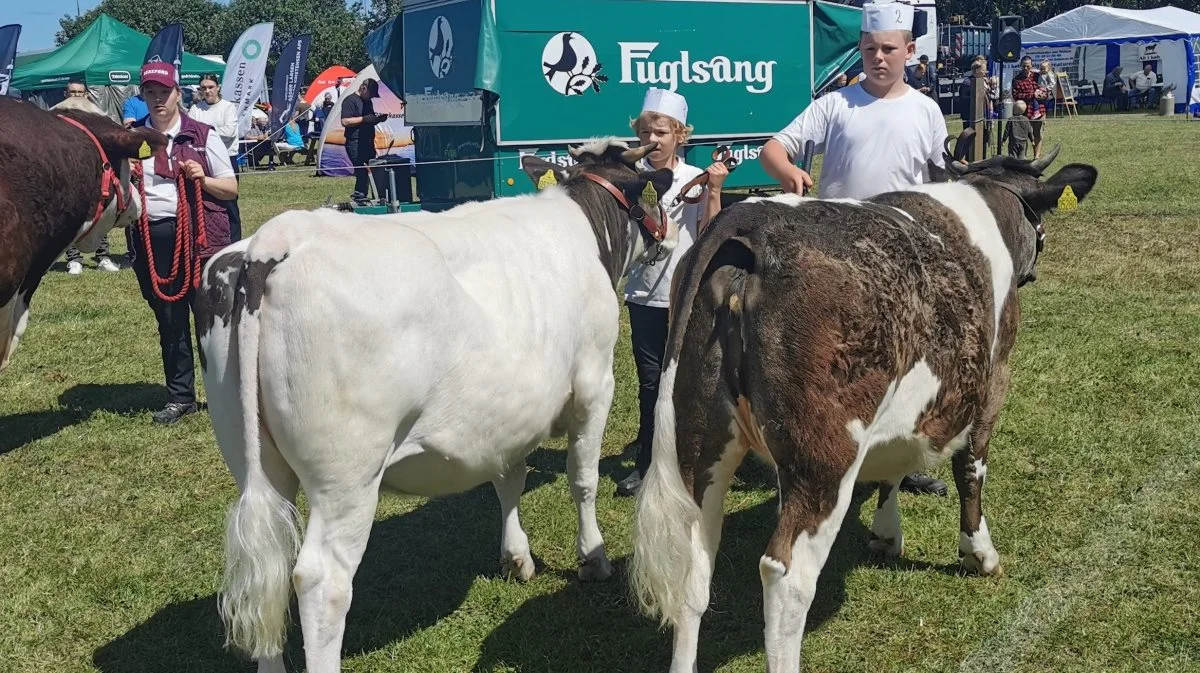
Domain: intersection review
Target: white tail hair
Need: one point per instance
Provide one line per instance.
(666, 518)
(261, 534)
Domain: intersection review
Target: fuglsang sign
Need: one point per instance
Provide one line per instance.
(583, 69)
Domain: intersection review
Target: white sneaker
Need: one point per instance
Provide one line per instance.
(108, 265)
(74, 268)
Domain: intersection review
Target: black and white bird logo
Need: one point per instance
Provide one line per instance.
(441, 47)
(570, 66)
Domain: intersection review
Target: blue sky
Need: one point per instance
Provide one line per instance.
(39, 20)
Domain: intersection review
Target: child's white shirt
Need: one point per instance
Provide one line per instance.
(871, 145)
(651, 285)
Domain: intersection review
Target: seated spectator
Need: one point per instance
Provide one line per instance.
(1115, 88)
(291, 143)
(1143, 86)
(923, 80)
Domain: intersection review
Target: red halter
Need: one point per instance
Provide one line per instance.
(108, 181)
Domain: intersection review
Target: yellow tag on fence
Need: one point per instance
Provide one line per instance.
(546, 180)
(650, 195)
(1068, 201)
(144, 151)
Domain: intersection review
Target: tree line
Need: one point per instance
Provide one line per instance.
(340, 29)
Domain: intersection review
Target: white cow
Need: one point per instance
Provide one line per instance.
(424, 353)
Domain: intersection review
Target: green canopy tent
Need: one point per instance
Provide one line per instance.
(107, 56)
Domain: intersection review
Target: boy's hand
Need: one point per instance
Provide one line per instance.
(796, 180)
(717, 173)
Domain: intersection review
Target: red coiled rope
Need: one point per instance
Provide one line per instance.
(190, 238)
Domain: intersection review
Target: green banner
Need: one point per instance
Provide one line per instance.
(582, 69)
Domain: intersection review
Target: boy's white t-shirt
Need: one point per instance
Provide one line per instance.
(651, 285)
(871, 145)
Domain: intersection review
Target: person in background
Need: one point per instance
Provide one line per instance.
(359, 119)
(965, 95)
(1143, 86)
(877, 136)
(921, 80)
(133, 110)
(1025, 88)
(1018, 131)
(195, 152)
(648, 287)
(77, 99)
(1115, 88)
(320, 114)
(222, 116)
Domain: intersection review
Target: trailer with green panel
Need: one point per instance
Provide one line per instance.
(487, 81)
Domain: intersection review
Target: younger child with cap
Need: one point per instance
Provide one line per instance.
(648, 288)
(877, 135)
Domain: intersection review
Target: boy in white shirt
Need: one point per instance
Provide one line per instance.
(877, 135)
(648, 288)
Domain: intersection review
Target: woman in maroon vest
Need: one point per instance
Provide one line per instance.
(195, 159)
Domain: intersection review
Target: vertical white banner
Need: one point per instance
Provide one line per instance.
(246, 71)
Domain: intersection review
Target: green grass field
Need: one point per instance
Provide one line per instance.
(111, 528)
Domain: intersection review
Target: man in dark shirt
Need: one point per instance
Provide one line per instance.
(359, 120)
(1114, 87)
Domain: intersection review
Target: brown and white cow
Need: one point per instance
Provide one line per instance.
(839, 340)
(50, 189)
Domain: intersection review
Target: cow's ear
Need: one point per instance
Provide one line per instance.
(1065, 189)
(650, 188)
(543, 173)
(148, 142)
(936, 172)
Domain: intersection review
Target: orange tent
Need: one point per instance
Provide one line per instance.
(329, 81)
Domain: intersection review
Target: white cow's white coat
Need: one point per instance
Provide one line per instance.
(966, 202)
(425, 353)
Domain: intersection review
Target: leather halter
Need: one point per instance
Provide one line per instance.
(656, 229)
(108, 180)
(1030, 214)
(722, 154)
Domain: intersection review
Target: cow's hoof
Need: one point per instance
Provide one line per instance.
(595, 569)
(986, 564)
(888, 546)
(519, 567)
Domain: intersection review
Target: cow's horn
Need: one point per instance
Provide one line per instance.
(1048, 158)
(635, 155)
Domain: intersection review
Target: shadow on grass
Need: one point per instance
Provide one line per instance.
(596, 627)
(78, 404)
(416, 570)
(584, 627)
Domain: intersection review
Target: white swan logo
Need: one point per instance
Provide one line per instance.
(441, 47)
(569, 65)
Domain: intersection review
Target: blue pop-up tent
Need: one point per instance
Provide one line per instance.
(1089, 42)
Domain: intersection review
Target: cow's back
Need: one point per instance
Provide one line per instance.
(470, 325)
(851, 296)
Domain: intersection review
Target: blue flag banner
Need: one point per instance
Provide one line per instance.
(8, 54)
(289, 77)
(167, 46)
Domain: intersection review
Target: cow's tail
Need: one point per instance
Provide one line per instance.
(261, 534)
(667, 518)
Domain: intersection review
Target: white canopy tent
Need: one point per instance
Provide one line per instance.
(1088, 42)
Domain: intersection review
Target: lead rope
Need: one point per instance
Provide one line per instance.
(190, 238)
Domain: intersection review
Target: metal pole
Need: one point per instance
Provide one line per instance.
(394, 200)
(978, 112)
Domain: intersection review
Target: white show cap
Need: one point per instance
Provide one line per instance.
(666, 103)
(879, 17)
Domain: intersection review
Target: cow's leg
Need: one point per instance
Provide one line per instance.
(339, 524)
(514, 544)
(815, 486)
(886, 534)
(593, 397)
(975, 548)
(705, 539)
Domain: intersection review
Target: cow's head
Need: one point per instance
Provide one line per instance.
(1020, 199)
(616, 194)
(122, 147)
